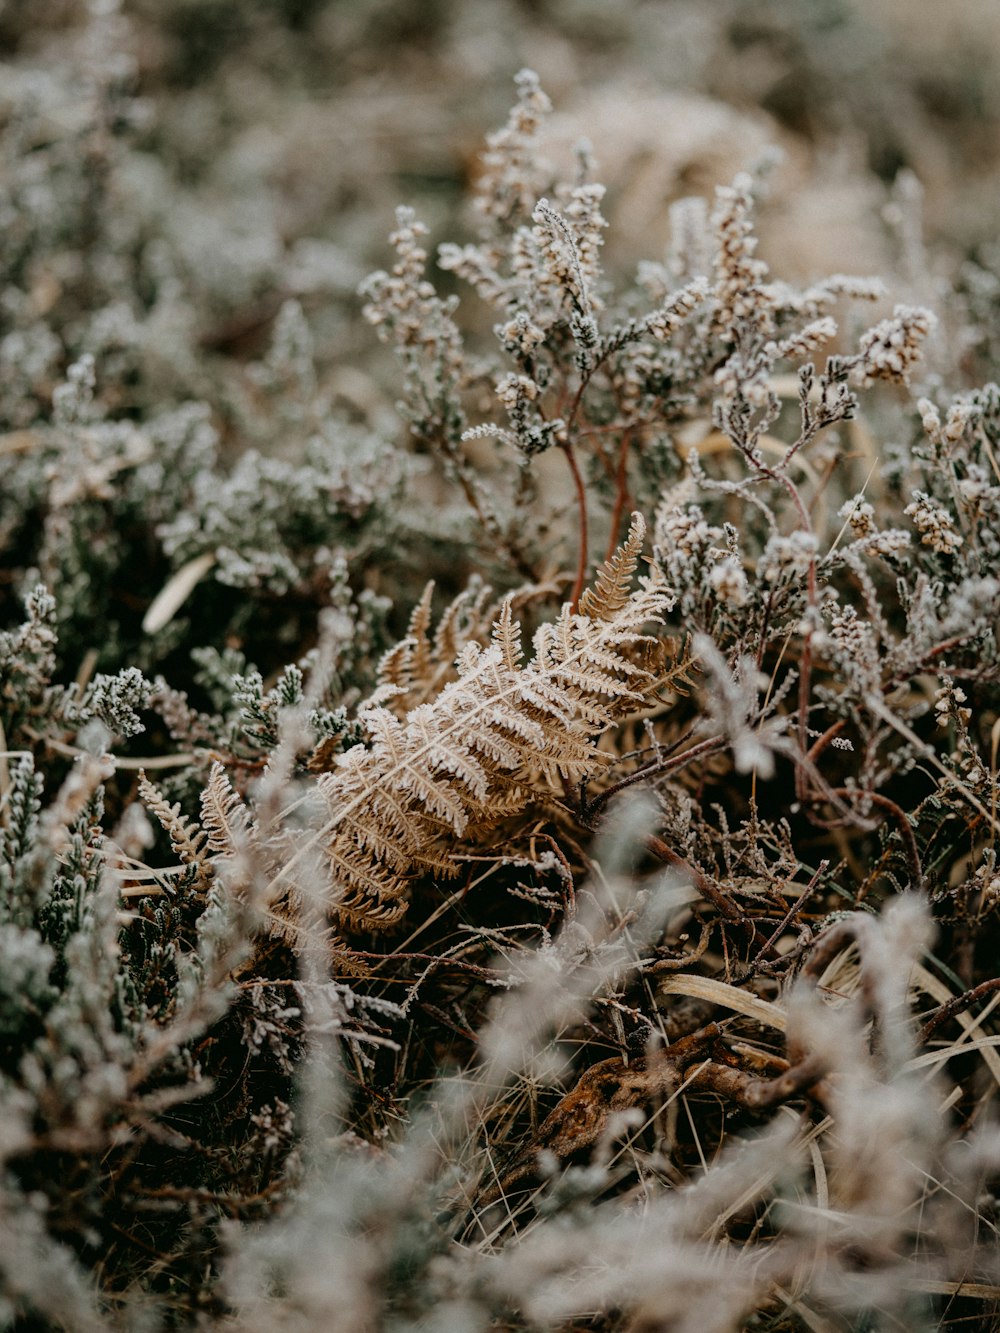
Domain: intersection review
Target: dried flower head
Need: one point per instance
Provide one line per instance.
(934, 523)
(891, 349)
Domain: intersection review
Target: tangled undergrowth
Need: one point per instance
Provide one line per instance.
(601, 936)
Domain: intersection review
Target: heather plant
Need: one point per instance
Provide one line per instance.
(599, 937)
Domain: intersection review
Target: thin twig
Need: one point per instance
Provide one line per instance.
(902, 823)
(621, 494)
(581, 502)
(654, 769)
(786, 919)
(957, 1005)
(709, 890)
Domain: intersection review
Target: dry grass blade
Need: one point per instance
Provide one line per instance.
(721, 993)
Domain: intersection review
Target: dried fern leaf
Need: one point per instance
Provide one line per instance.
(225, 819)
(461, 622)
(188, 840)
(485, 746)
(613, 582)
(417, 668)
(284, 928)
(410, 661)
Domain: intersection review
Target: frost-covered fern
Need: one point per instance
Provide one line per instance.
(476, 753)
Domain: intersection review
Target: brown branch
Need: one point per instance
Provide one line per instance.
(621, 494)
(579, 1118)
(710, 891)
(902, 823)
(756, 1094)
(610, 1087)
(654, 769)
(795, 907)
(581, 503)
(957, 1005)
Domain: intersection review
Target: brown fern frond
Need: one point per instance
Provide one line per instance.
(225, 819)
(613, 581)
(489, 742)
(460, 623)
(417, 668)
(410, 661)
(675, 672)
(417, 631)
(285, 928)
(187, 839)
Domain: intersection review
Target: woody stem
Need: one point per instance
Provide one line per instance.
(581, 503)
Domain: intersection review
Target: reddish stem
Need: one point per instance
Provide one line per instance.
(581, 502)
(711, 892)
(902, 824)
(655, 768)
(830, 734)
(621, 494)
(957, 1005)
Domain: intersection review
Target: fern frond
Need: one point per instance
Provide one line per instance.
(507, 637)
(461, 622)
(420, 623)
(488, 743)
(613, 581)
(417, 668)
(410, 661)
(225, 819)
(284, 927)
(188, 840)
(673, 664)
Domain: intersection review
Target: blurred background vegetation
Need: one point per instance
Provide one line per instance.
(273, 138)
